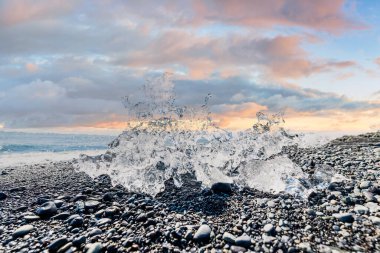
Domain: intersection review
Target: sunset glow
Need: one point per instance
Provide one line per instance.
(66, 64)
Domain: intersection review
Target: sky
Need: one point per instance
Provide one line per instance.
(64, 65)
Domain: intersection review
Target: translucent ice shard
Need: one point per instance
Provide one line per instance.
(165, 140)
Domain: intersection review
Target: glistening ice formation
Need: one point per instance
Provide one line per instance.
(165, 140)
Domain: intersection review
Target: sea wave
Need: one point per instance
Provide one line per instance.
(22, 148)
(30, 158)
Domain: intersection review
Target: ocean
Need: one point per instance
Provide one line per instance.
(19, 148)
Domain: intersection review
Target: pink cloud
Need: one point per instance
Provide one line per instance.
(280, 57)
(325, 15)
(14, 12)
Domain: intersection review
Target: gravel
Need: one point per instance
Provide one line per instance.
(52, 207)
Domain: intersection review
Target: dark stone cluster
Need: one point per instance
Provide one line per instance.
(53, 208)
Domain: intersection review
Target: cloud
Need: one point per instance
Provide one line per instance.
(324, 15)
(46, 104)
(376, 95)
(281, 56)
(335, 120)
(67, 63)
(77, 101)
(31, 67)
(377, 61)
(274, 97)
(16, 12)
(166, 37)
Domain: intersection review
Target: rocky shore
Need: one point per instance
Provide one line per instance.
(53, 208)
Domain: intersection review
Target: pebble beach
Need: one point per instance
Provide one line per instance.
(52, 207)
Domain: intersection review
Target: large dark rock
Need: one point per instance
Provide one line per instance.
(243, 241)
(222, 187)
(344, 217)
(3, 196)
(23, 230)
(203, 234)
(47, 209)
(61, 216)
(55, 245)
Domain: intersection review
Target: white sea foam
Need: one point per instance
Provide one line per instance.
(19, 159)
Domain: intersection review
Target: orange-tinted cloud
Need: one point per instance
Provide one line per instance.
(111, 124)
(329, 120)
(244, 117)
(31, 67)
(335, 120)
(238, 116)
(377, 61)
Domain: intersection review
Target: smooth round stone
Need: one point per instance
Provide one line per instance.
(203, 233)
(244, 241)
(373, 207)
(23, 230)
(365, 184)
(344, 217)
(61, 216)
(75, 230)
(237, 249)
(94, 248)
(95, 231)
(76, 222)
(229, 238)
(3, 196)
(30, 218)
(310, 212)
(359, 209)
(111, 211)
(103, 221)
(221, 187)
(285, 238)
(55, 245)
(47, 209)
(268, 228)
(99, 214)
(80, 197)
(58, 203)
(77, 242)
(71, 217)
(65, 248)
(369, 196)
(108, 196)
(305, 246)
(268, 239)
(271, 203)
(112, 248)
(189, 235)
(141, 217)
(91, 204)
(375, 220)
(336, 228)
